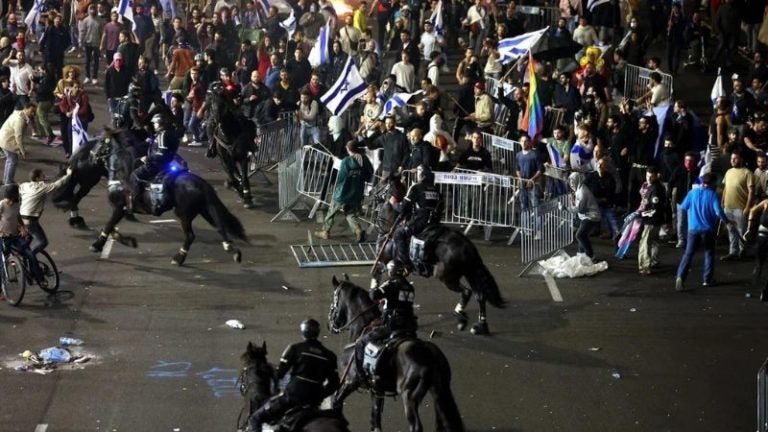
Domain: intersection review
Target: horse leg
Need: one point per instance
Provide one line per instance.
(377, 409)
(229, 168)
(75, 220)
(110, 228)
(214, 221)
(245, 183)
(189, 237)
(458, 312)
(481, 326)
(412, 394)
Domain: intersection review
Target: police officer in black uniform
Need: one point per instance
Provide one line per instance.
(397, 294)
(424, 205)
(162, 151)
(128, 116)
(313, 377)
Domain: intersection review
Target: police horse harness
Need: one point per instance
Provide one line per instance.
(175, 188)
(258, 384)
(403, 365)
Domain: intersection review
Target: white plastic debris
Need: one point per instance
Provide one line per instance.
(561, 266)
(235, 324)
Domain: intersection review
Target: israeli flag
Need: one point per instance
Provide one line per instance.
(591, 4)
(34, 15)
(264, 4)
(319, 53)
(289, 24)
(554, 156)
(125, 10)
(349, 87)
(717, 88)
(515, 47)
(398, 100)
(79, 135)
(437, 19)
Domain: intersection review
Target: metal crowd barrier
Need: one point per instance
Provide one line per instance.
(636, 80)
(540, 16)
(503, 152)
(288, 172)
(275, 141)
(552, 119)
(545, 229)
(762, 398)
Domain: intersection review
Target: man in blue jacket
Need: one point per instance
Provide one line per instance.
(703, 209)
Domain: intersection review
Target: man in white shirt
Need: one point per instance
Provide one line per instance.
(21, 77)
(404, 72)
(307, 114)
(12, 139)
(430, 41)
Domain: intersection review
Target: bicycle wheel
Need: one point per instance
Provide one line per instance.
(50, 272)
(14, 281)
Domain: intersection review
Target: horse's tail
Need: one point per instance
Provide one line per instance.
(224, 219)
(446, 409)
(481, 280)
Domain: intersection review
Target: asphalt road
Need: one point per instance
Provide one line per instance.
(163, 360)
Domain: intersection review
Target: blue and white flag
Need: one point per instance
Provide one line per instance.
(265, 5)
(289, 24)
(319, 53)
(349, 87)
(717, 88)
(437, 19)
(554, 156)
(169, 8)
(515, 47)
(167, 97)
(79, 135)
(591, 4)
(398, 100)
(125, 10)
(33, 16)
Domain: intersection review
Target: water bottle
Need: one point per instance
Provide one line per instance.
(68, 341)
(55, 355)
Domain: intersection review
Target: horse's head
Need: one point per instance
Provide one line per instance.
(257, 382)
(348, 304)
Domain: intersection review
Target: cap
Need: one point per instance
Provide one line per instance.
(405, 7)
(117, 56)
(480, 85)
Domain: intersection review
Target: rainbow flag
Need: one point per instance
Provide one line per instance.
(534, 113)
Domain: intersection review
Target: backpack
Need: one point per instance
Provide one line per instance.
(122, 114)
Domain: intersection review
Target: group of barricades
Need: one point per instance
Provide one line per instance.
(308, 176)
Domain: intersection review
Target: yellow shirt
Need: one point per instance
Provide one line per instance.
(737, 183)
(360, 20)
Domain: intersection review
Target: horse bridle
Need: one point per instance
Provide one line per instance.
(333, 313)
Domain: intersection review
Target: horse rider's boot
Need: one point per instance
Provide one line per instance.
(323, 234)
(359, 235)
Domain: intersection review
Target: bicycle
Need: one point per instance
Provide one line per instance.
(16, 275)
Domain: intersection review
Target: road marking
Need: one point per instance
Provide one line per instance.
(107, 248)
(41, 428)
(158, 221)
(552, 285)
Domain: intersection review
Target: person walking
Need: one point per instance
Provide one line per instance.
(587, 209)
(12, 137)
(90, 37)
(655, 212)
(703, 211)
(738, 192)
(354, 172)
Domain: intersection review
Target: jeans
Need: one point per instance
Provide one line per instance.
(586, 227)
(91, 62)
(608, 215)
(736, 230)
(682, 224)
(112, 105)
(649, 247)
(194, 127)
(22, 244)
(11, 159)
(308, 132)
(529, 198)
(694, 240)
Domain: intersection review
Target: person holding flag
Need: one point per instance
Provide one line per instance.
(533, 119)
(75, 103)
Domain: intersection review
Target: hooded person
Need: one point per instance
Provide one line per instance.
(440, 139)
(338, 136)
(587, 209)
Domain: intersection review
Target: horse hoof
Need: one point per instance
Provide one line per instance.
(462, 320)
(96, 246)
(237, 256)
(178, 259)
(77, 222)
(480, 328)
(248, 204)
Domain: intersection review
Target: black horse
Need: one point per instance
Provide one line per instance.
(412, 369)
(258, 383)
(234, 140)
(453, 256)
(188, 194)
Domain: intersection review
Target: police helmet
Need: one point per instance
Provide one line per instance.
(310, 329)
(224, 72)
(395, 268)
(424, 174)
(133, 88)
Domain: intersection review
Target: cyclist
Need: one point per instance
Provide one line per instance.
(33, 195)
(14, 234)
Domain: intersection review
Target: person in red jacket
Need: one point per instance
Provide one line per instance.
(73, 99)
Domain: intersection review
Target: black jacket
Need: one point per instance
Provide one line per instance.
(310, 364)
(396, 150)
(424, 153)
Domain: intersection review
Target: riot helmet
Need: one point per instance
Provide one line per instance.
(310, 329)
(395, 268)
(425, 175)
(158, 122)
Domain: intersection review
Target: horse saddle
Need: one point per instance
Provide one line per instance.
(160, 199)
(296, 418)
(421, 249)
(380, 379)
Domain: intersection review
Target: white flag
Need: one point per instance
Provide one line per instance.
(289, 24)
(437, 19)
(518, 46)
(717, 89)
(33, 16)
(125, 10)
(319, 53)
(345, 90)
(79, 135)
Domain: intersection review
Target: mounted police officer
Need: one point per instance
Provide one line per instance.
(423, 207)
(313, 377)
(127, 115)
(397, 295)
(161, 152)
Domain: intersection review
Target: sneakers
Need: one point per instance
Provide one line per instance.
(71, 50)
(86, 81)
(680, 245)
(709, 284)
(95, 81)
(679, 285)
(323, 234)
